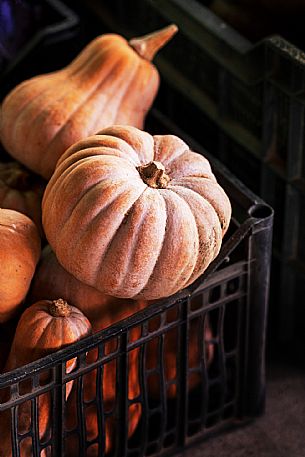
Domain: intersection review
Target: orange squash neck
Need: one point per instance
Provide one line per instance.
(148, 45)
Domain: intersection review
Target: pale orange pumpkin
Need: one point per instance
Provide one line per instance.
(110, 81)
(21, 190)
(42, 329)
(134, 215)
(19, 254)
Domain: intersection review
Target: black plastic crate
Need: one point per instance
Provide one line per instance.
(242, 101)
(231, 296)
(228, 389)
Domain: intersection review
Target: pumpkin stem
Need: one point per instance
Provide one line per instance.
(148, 45)
(60, 308)
(153, 174)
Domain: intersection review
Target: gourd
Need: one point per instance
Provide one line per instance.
(110, 81)
(19, 254)
(134, 215)
(43, 328)
(21, 190)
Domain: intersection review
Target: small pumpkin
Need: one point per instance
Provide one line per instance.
(19, 254)
(134, 215)
(43, 328)
(110, 81)
(21, 190)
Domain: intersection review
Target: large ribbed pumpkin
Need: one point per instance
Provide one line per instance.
(110, 81)
(19, 254)
(134, 215)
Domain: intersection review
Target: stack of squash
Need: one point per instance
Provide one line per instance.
(129, 217)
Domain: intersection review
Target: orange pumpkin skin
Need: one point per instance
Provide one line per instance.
(19, 254)
(108, 82)
(51, 280)
(111, 315)
(21, 190)
(43, 328)
(131, 230)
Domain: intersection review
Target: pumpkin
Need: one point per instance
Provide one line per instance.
(19, 254)
(43, 328)
(134, 215)
(108, 386)
(110, 81)
(51, 280)
(21, 190)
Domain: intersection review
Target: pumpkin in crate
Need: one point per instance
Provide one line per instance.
(43, 328)
(110, 81)
(19, 254)
(134, 215)
(21, 190)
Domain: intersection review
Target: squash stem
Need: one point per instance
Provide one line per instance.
(153, 174)
(60, 308)
(148, 45)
